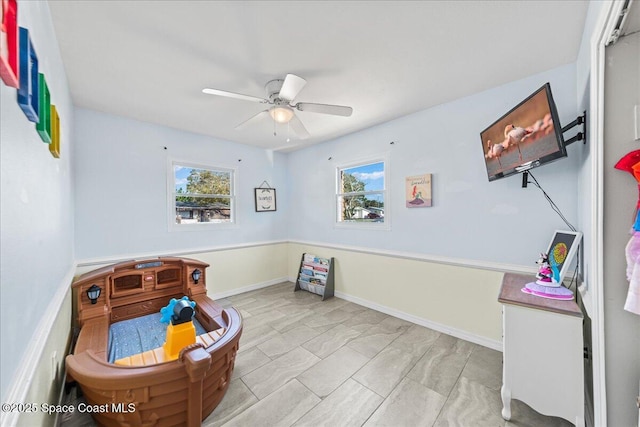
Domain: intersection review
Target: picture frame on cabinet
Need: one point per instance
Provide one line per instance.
(561, 250)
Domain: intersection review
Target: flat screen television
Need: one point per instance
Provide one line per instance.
(527, 136)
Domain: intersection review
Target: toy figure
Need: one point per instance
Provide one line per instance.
(181, 332)
(544, 274)
(545, 286)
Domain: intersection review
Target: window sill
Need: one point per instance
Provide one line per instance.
(385, 226)
(207, 226)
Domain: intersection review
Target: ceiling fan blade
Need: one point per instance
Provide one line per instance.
(299, 128)
(234, 95)
(291, 87)
(253, 119)
(336, 110)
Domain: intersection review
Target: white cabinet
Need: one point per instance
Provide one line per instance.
(542, 352)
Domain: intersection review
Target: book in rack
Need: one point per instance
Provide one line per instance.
(316, 275)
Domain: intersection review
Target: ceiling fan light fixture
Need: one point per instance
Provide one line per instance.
(281, 114)
(281, 94)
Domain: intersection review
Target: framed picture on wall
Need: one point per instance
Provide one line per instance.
(265, 199)
(562, 249)
(418, 191)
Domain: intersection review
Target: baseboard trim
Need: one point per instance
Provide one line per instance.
(458, 333)
(232, 292)
(24, 375)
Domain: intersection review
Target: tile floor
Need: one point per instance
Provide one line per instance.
(307, 362)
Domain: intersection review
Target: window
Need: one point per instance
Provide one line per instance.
(361, 194)
(201, 195)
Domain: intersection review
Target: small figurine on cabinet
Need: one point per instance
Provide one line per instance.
(545, 285)
(545, 273)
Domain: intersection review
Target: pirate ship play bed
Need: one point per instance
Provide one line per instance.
(124, 378)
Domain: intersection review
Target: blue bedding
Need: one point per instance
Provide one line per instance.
(132, 336)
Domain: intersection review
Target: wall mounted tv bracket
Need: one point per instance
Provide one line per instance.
(580, 136)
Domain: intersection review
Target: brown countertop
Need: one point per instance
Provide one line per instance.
(511, 293)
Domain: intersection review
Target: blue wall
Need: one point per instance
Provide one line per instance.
(472, 219)
(36, 200)
(121, 188)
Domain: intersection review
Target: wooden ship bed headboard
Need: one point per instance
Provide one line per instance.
(161, 392)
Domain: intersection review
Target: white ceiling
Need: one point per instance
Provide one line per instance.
(150, 60)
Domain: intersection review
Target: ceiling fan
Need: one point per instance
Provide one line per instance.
(280, 95)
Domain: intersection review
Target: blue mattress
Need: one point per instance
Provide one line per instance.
(129, 337)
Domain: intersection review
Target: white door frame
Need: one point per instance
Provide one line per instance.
(604, 27)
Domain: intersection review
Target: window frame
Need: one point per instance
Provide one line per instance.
(386, 224)
(171, 196)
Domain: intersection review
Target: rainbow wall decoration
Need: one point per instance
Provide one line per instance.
(19, 69)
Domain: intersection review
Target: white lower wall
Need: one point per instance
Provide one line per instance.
(241, 270)
(49, 374)
(233, 269)
(444, 294)
(39, 377)
(460, 301)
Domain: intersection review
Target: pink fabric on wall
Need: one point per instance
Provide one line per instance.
(630, 162)
(632, 252)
